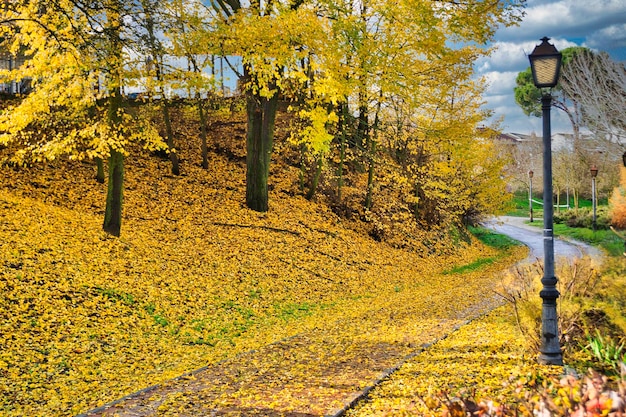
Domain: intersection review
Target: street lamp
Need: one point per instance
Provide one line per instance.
(545, 64)
(594, 174)
(530, 194)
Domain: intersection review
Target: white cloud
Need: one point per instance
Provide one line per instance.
(569, 18)
(597, 24)
(506, 55)
(500, 83)
(610, 37)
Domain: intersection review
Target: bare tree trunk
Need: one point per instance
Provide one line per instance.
(203, 131)
(260, 140)
(115, 188)
(99, 170)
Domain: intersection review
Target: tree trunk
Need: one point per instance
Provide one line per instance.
(115, 188)
(170, 135)
(370, 174)
(416, 206)
(99, 170)
(203, 132)
(362, 131)
(113, 213)
(371, 148)
(260, 140)
(343, 110)
(316, 177)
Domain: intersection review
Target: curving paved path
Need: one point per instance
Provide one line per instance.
(532, 236)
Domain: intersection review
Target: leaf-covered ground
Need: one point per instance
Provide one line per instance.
(195, 279)
(484, 361)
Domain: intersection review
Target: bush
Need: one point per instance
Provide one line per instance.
(577, 281)
(590, 396)
(583, 217)
(617, 202)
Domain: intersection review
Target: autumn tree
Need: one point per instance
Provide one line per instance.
(271, 40)
(418, 80)
(188, 24)
(152, 24)
(77, 64)
(598, 84)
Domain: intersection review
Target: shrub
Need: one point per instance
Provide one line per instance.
(577, 280)
(583, 217)
(617, 202)
(590, 396)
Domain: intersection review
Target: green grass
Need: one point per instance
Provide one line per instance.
(493, 239)
(520, 208)
(604, 239)
(489, 238)
(474, 266)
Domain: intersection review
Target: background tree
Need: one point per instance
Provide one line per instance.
(152, 25)
(394, 61)
(582, 75)
(598, 84)
(271, 39)
(189, 23)
(528, 97)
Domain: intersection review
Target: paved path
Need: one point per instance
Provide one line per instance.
(532, 236)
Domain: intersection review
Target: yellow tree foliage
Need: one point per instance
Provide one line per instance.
(77, 64)
(64, 113)
(410, 84)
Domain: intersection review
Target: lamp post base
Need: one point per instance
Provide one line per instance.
(550, 359)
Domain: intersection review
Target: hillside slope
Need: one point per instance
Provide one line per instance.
(196, 277)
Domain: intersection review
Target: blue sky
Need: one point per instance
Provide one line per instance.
(596, 24)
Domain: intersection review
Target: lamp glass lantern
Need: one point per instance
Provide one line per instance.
(545, 64)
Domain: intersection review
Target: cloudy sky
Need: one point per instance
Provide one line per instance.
(596, 24)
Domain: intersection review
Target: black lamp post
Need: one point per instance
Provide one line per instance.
(530, 194)
(594, 174)
(545, 64)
